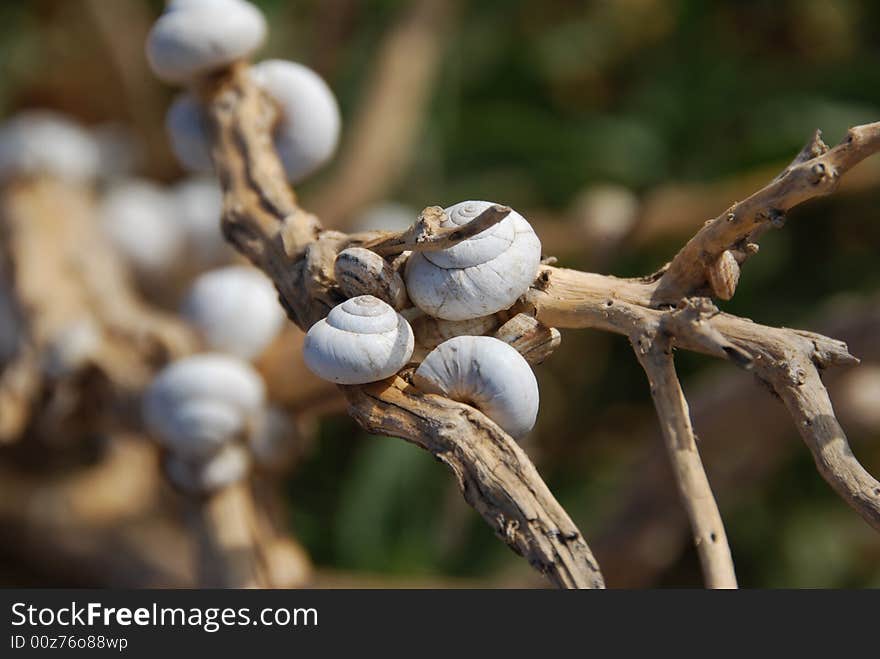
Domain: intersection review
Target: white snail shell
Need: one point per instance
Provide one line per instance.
(361, 340)
(308, 131)
(235, 309)
(478, 276)
(201, 476)
(38, 142)
(197, 405)
(140, 220)
(186, 123)
(486, 373)
(195, 37)
(199, 203)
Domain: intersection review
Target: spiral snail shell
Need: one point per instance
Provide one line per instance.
(361, 340)
(478, 276)
(487, 373)
(197, 405)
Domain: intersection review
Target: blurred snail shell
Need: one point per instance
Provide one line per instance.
(39, 142)
(478, 276)
(189, 132)
(361, 340)
(202, 476)
(139, 219)
(360, 271)
(486, 373)
(199, 205)
(308, 130)
(195, 37)
(197, 405)
(235, 310)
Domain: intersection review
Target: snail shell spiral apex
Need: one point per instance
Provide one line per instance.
(487, 373)
(361, 340)
(478, 276)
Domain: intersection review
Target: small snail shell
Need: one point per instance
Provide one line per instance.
(198, 404)
(486, 373)
(39, 142)
(308, 131)
(202, 476)
(195, 37)
(359, 271)
(361, 340)
(189, 133)
(199, 203)
(478, 276)
(235, 309)
(139, 218)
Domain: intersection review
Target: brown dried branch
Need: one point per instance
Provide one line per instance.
(427, 234)
(654, 353)
(76, 312)
(493, 472)
(815, 172)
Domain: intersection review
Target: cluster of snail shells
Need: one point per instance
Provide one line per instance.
(195, 38)
(366, 339)
(201, 409)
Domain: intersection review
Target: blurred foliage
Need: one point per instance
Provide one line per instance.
(537, 99)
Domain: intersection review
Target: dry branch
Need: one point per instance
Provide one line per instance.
(77, 314)
(815, 172)
(655, 355)
(427, 234)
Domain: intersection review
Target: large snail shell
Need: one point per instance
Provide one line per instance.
(361, 340)
(194, 37)
(486, 373)
(198, 404)
(39, 142)
(189, 132)
(478, 276)
(308, 131)
(140, 220)
(235, 309)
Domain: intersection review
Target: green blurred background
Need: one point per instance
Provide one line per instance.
(556, 108)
